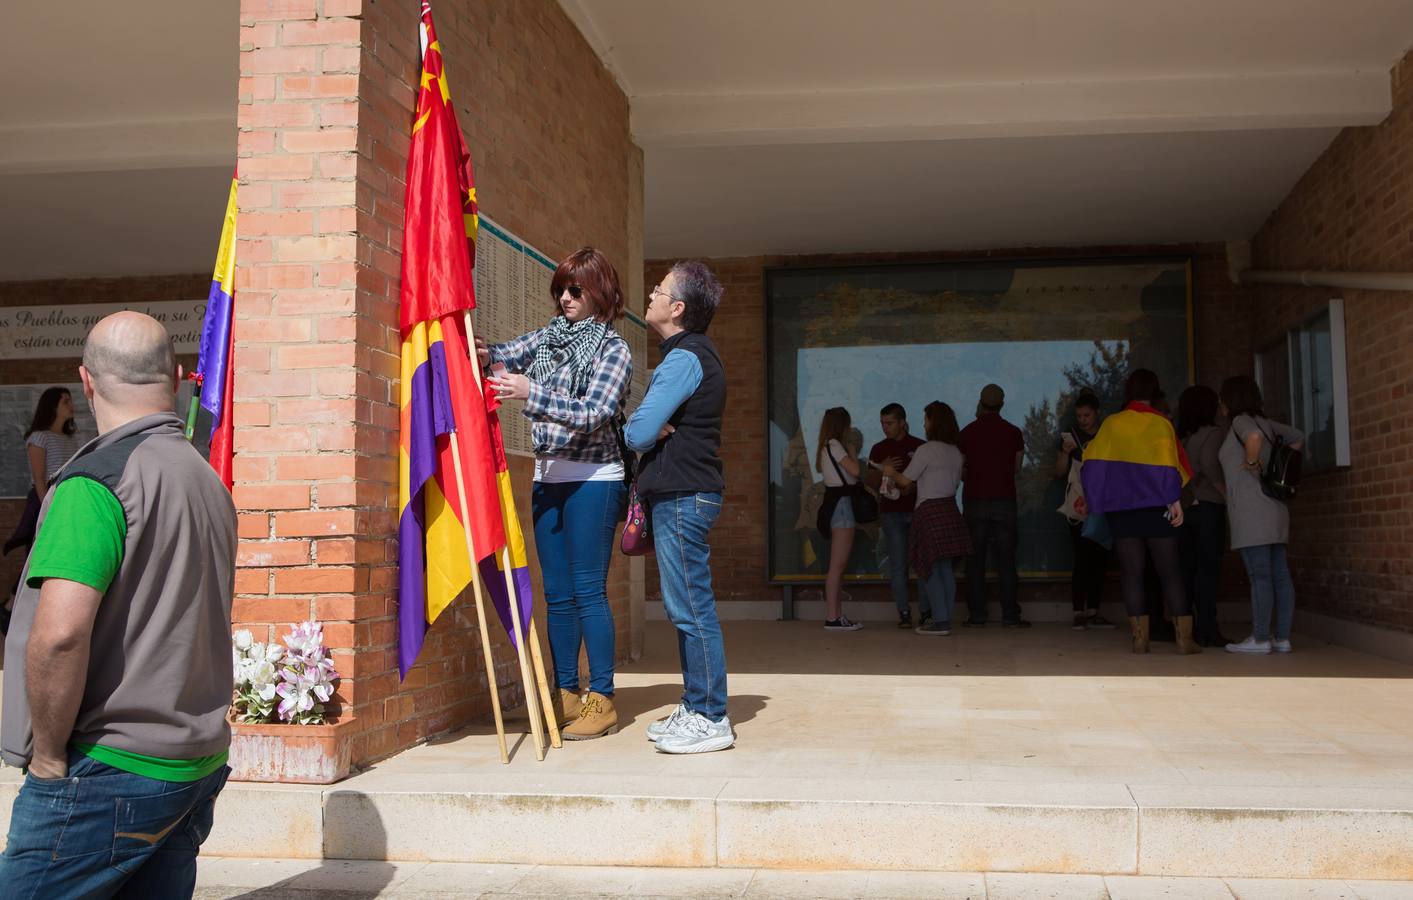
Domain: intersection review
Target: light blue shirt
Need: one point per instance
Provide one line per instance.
(676, 379)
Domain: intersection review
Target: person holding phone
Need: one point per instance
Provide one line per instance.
(1091, 560)
(573, 377)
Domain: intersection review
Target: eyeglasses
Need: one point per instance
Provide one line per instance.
(658, 290)
(575, 291)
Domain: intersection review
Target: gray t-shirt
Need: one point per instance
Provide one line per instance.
(57, 450)
(1255, 519)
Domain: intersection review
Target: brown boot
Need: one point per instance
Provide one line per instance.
(1185, 644)
(597, 717)
(1139, 624)
(566, 705)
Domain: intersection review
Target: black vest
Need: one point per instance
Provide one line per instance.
(688, 460)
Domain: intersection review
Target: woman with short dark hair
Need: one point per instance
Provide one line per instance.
(574, 376)
(939, 533)
(677, 427)
(1204, 523)
(1260, 525)
(1090, 559)
(1134, 472)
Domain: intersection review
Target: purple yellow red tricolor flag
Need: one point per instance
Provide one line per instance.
(214, 367)
(1135, 462)
(440, 394)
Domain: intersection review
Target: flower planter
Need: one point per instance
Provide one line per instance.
(294, 754)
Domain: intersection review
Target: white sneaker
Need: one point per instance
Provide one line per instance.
(842, 623)
(695, 733)
(1251, 645)
(664, 725)
(1280, 646)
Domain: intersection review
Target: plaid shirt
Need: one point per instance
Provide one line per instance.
(568, 427)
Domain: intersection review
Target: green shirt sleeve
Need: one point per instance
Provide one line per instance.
(82, 536)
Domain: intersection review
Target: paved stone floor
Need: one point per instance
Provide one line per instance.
(267, 879)
(1045, 705)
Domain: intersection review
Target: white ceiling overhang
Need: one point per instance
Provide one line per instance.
(767, 125)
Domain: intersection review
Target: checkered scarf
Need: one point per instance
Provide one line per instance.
(574, 344)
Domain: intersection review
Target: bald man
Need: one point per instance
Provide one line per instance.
(119, 671)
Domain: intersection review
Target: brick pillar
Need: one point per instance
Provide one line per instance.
(315, 429)
(326, 94)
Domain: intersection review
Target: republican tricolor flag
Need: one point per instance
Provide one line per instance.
(213, 375)
(440, 394)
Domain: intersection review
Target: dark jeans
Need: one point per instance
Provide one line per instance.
(1204, 540)
(992, 524)
(681, 522)
(575, 523)
(1091, 562)
(103, 832)
(896, 528)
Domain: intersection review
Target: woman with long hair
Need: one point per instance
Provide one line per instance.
(1134, 471)
(49, 443)
(840, 467)
(573, 376)
(1204, 521)
(1260, 525)
(939, 533)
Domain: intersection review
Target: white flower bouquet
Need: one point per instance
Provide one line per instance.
(291, 683)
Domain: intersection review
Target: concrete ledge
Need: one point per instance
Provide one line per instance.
(956, 826)
(1306, 832)
(267, 820)
(509, 819)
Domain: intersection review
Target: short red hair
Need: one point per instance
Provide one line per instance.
(592, 271)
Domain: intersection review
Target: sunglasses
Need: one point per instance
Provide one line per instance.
(575, 291)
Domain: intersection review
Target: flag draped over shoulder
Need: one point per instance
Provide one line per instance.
(440, 394)
(214, 368)
(1134, 462)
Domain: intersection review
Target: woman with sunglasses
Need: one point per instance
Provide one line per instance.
(573, 376)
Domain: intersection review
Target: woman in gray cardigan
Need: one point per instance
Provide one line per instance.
(1260, 525)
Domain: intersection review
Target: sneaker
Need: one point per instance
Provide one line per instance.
(905, 620)
(924, 621)
(1098, 621)
(842, 624)
(1018, 623)
(1078, 623)
(1280, 646)
(695, 733)
(942, 628)
(1250, 645)
(664, 725)
(974, 623)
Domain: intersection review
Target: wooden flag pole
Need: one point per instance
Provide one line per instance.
(538, 660)
(480, 603)
(532, 695)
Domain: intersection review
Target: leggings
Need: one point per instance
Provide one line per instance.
(1167, 562)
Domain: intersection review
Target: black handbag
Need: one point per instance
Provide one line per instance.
(1281, 476)
(865, 504)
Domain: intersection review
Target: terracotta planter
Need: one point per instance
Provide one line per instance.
(296, 754)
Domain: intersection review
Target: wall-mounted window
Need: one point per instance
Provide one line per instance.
(1304, 381)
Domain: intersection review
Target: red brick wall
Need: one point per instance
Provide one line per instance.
(325, 112)
(64, 370)
(1221, 314)
(1352, 531)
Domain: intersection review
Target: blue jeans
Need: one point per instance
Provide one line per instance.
(942, 590)
(103, 832)
(896, 526)
(680, 525)
(574, 527)
(1271, 588)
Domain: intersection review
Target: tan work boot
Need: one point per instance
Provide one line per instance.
(1185, 644)
(566, 705)
(1139, 624)
(597, 717)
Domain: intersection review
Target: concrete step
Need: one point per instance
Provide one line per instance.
(1100, 829)
(228, 878)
